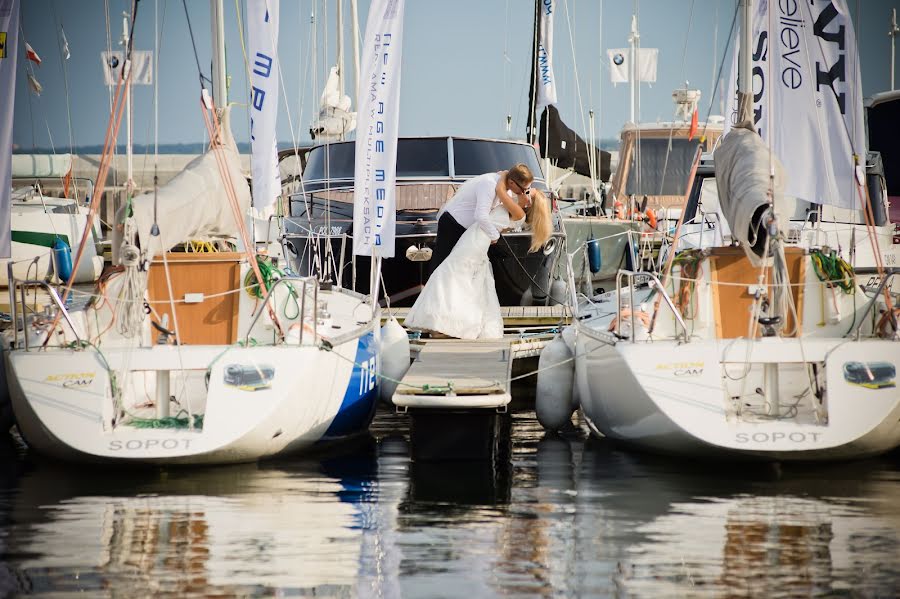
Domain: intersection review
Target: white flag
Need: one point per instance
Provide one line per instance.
(262, 23)
(65, 45)
(620, 64)
(816, 123)
(378, 113)
(141, 66)
(9, 43)
(546, 82)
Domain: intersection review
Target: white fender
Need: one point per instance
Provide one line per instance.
(553, 397)
(394, 357)
(559, 292)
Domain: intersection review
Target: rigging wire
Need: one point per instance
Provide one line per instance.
(721, 67)
(65, 72)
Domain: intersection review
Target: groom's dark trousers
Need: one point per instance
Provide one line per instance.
(448, 233)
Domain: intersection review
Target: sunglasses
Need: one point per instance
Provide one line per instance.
(525, 190)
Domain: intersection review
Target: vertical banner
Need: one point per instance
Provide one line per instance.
(9, 36)
(546, 83)
(262, 23)
(378, 115)
(806, 73)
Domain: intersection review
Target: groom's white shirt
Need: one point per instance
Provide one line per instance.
(473, 203)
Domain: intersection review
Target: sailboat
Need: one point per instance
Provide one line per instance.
(40, 220)
(192, 358)
(781, 342)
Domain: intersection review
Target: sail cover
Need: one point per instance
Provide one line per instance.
(563, 145)
(742, 178)
(193, 205)
(374, 194)
(9, 29)
(806, 72)
(335, 120)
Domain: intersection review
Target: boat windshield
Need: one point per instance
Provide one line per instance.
(425, 158)
(473, 157)
(415, 158)
(657, 175)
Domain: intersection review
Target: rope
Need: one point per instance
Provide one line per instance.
(270, 275)
(129, 313)
(833, 270)
(112, 132)
(177, 421)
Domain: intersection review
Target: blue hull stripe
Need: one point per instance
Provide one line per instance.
(361, 397)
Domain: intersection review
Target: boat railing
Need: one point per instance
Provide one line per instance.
(289, 282)
(19, 286)
(653, 281)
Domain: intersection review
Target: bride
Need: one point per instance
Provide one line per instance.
(459, 299)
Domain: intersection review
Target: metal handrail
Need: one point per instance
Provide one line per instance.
(16, 284)
(303, 281)
(659, 286)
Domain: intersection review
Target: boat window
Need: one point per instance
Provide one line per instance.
(415, 158)
(475, 157)
(339, 163)
(423, 158)
(653, 180)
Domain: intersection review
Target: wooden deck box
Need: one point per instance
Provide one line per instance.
(214, 320)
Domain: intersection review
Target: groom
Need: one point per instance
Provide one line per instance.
(472, 204)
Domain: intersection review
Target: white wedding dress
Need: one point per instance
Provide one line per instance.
(460, 299)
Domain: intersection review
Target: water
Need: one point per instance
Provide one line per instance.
(562, 517)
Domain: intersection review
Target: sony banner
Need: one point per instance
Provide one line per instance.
(9, 43)
(378, 115)
(546, 84)
(806, 74)
(262, 23)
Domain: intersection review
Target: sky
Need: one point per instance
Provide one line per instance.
(465, 64)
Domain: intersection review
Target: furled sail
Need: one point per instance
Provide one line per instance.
(335, 120)
(192, 206)
(746, 192)
(554, 139)
(567, 149)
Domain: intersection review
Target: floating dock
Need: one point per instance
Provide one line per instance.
(456, 393)
(456, 373)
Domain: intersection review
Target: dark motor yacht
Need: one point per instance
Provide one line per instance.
(318, 233)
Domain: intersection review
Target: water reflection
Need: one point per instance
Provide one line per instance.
(656, 527)
(289, 527)
(551, 517)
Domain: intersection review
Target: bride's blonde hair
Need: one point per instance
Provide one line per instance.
(538, 217)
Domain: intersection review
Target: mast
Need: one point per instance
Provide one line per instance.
(219, 83)
(129, 155)
(340, 49)
(633, 41)
(354, 23)
(745, 63)
(893, 33)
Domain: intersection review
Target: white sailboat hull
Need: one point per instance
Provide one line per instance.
(702, 399)
(65, 407)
